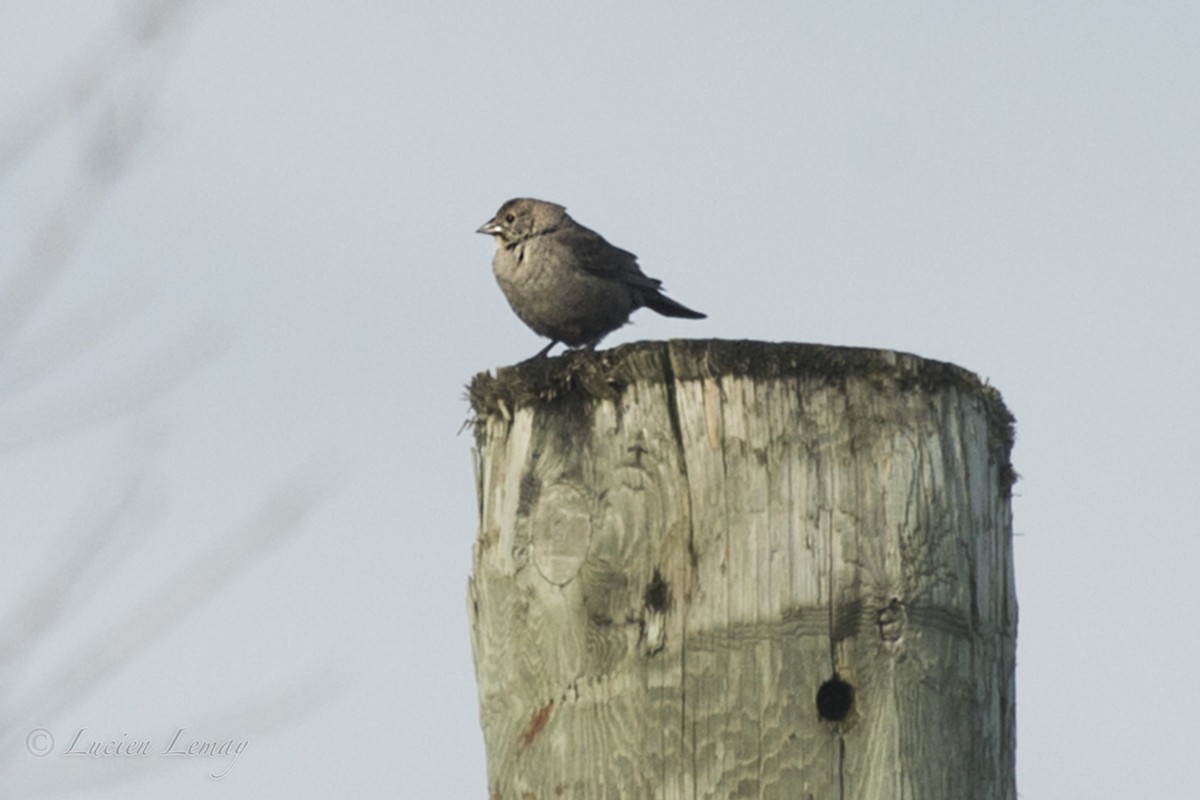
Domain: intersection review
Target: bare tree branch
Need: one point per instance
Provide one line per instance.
(145, 24)
(116, 393)
(156, 613)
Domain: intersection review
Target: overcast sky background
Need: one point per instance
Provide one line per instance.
(1014, 189)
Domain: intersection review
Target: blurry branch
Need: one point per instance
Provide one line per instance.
(73, 334)
(109, 521)
(159, 611)
(116, 393)
(95, 528)
(27, 285)
(57, 238)
(146, 23)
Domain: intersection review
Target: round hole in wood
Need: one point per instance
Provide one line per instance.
(835, 698)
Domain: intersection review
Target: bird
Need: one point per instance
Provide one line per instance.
(565, 281)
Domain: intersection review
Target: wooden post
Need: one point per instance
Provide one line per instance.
(738, 569)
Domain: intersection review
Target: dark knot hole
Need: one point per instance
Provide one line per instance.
(835, 698)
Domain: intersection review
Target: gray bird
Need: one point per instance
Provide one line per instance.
(564, 280)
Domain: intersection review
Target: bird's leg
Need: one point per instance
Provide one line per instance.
(541, 353)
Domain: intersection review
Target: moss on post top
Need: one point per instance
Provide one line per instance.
(580, 375)
(585, 376)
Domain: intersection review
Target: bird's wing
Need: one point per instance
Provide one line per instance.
(597, 257)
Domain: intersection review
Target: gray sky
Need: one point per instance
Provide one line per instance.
(1015, 189)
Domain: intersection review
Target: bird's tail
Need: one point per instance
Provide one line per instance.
(657, 301)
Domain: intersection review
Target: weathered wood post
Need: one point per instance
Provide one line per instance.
(737, 569)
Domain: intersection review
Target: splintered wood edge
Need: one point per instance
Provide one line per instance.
(585, 377)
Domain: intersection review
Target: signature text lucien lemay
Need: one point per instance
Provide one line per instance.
(179, 746)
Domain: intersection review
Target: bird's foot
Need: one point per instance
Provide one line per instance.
(540, 354)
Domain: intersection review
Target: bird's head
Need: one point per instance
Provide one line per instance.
(522, 217)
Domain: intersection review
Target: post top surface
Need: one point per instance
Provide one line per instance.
(586, 376)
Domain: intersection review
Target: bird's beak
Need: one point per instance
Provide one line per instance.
(491, 227)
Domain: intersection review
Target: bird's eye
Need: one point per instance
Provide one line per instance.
(509, 217)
